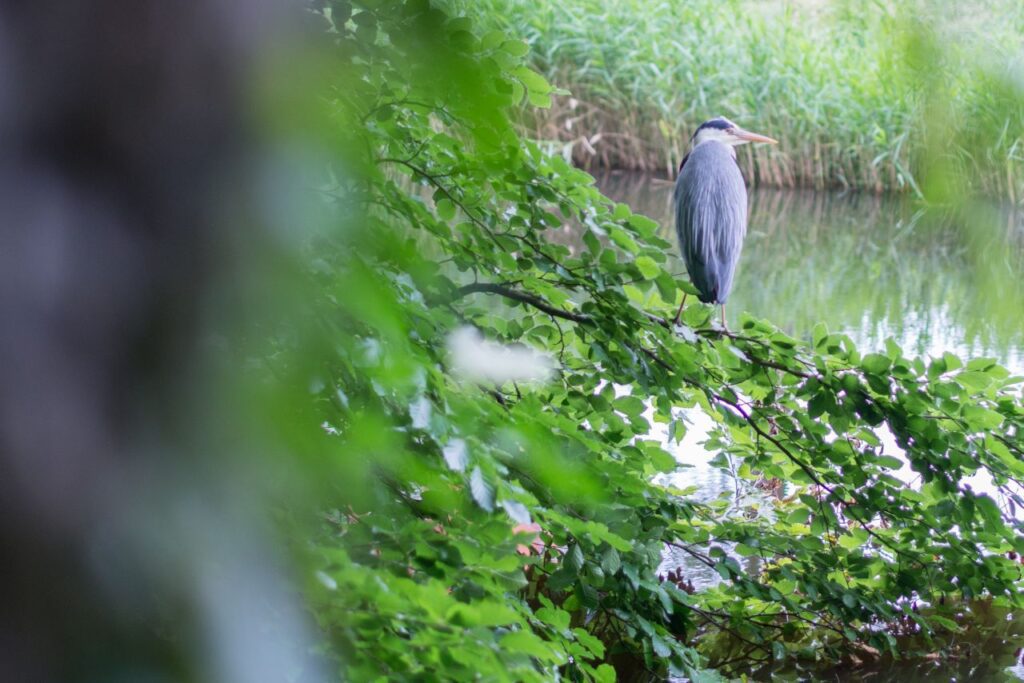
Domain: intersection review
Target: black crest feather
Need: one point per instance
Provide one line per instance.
(719, 122)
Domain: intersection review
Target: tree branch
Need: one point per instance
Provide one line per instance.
(525, 298)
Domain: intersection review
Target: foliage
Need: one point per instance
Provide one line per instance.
(862, 95)
(427, 564)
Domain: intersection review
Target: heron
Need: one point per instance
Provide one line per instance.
(711, 208)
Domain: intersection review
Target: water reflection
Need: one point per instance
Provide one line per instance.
(873, 267)
(707, 484)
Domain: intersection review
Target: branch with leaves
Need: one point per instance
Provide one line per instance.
(456, 220)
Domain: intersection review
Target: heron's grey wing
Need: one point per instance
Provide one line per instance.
(711, 219)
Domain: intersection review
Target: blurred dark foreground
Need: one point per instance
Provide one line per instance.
(130, 543)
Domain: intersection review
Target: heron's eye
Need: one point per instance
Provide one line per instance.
(730, 131)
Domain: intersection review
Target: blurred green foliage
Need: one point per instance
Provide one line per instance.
(923, 96)
(472, 528)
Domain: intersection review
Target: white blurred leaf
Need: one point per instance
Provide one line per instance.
(482, 492)
(419, 412)
(478, 359)
(456, 455)
(517, 511)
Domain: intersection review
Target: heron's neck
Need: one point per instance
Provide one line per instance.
(732, 150)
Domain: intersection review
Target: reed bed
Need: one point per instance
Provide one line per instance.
(919, 96)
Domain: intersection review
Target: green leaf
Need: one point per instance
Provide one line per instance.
(818, 405)
(530, 644)
(644, 225)
(621, 238)
(541, 100)
(604, 673)
(952, 362)
(445, 209)
(798, 516)
(483, 613)
(989, 511)
(661, 648)
(889, 461)
(610, 561)
(819, 334)
(630, 572)
(630, 405)
(555, 617)
(492, 39)
(592, 644)
(666, 286)
(974, 381)
(621, 212)
(688, 288)
(574, 558)
(533, 81)
(662, 460)
(875, 363)
(648, 267)
(854, 539)
(599, 532)
(516, 48)
(979, 417)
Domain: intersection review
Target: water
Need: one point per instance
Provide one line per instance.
(874, 268)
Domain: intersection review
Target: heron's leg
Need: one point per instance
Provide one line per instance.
(724, 326)
(680, 311)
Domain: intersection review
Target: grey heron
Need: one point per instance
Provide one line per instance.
(711, 208)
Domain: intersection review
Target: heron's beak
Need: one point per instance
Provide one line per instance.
(747, 136)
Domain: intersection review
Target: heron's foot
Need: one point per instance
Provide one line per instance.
(725, 327)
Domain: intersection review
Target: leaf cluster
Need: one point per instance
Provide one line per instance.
(515, 530)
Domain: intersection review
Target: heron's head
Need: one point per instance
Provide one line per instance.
(723, 130)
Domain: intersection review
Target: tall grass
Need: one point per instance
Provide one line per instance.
(920, 95)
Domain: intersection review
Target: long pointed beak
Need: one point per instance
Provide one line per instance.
(753, 137)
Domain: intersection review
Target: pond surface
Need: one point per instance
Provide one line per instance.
(872, 267)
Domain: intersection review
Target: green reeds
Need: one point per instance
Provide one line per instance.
(918, 96)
